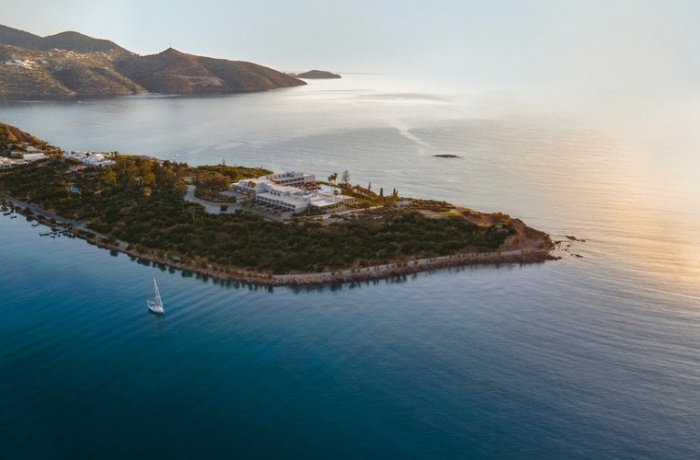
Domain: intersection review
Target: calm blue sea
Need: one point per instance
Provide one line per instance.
(588, 357)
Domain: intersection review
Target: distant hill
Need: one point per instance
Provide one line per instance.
(80, 43)
(33, 74)
(13, 138)
(15, 37)
(318, 74)
(70, 65)
(175, 72)
(12, 134)
(69, 41)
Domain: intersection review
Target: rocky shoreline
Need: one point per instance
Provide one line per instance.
(532, 247)
(349, 275)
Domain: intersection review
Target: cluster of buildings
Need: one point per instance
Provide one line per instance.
(289, 191)
(31, 154)
(22, 157)
(26, 64)
(90, 158)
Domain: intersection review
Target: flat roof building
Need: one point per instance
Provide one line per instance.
(270, 190)
(292, 178)
(34, 156)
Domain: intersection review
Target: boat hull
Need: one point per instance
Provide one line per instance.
(155, 307)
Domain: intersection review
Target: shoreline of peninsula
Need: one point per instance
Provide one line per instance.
(527, 252)
(250, 224)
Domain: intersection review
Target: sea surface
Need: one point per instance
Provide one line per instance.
(596, 355)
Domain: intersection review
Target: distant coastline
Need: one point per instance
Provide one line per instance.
(70, 65)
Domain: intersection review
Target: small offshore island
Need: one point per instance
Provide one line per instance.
(248, 224)
(317, 74)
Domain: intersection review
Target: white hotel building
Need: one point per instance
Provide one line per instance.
(280, 190)
(292, 178)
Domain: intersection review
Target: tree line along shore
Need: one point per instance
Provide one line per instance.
(136, 206)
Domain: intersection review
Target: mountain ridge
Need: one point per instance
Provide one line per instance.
(69, 65)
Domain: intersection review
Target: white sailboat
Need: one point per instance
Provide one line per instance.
(155, 304)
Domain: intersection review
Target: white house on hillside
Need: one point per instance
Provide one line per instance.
(90, 158)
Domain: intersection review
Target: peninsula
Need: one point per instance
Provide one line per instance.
(248, 224)
(70, 65)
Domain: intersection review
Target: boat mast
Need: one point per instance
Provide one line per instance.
(155, 289)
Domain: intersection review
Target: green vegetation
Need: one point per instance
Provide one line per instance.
(212, 180)
(140, 201)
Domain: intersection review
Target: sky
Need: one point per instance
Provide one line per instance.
(617, 44)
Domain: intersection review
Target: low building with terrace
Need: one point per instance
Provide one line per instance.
(293, 178)
(269, 191)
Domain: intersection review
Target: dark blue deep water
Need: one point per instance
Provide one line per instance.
(591, 357)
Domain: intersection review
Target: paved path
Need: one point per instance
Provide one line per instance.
(37, 211)
(210, 207)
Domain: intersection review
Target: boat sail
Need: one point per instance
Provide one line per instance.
(155, 304)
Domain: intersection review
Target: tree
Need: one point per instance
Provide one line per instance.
(149, 178)
(346, 177)
(110, 177)
(333, 177)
